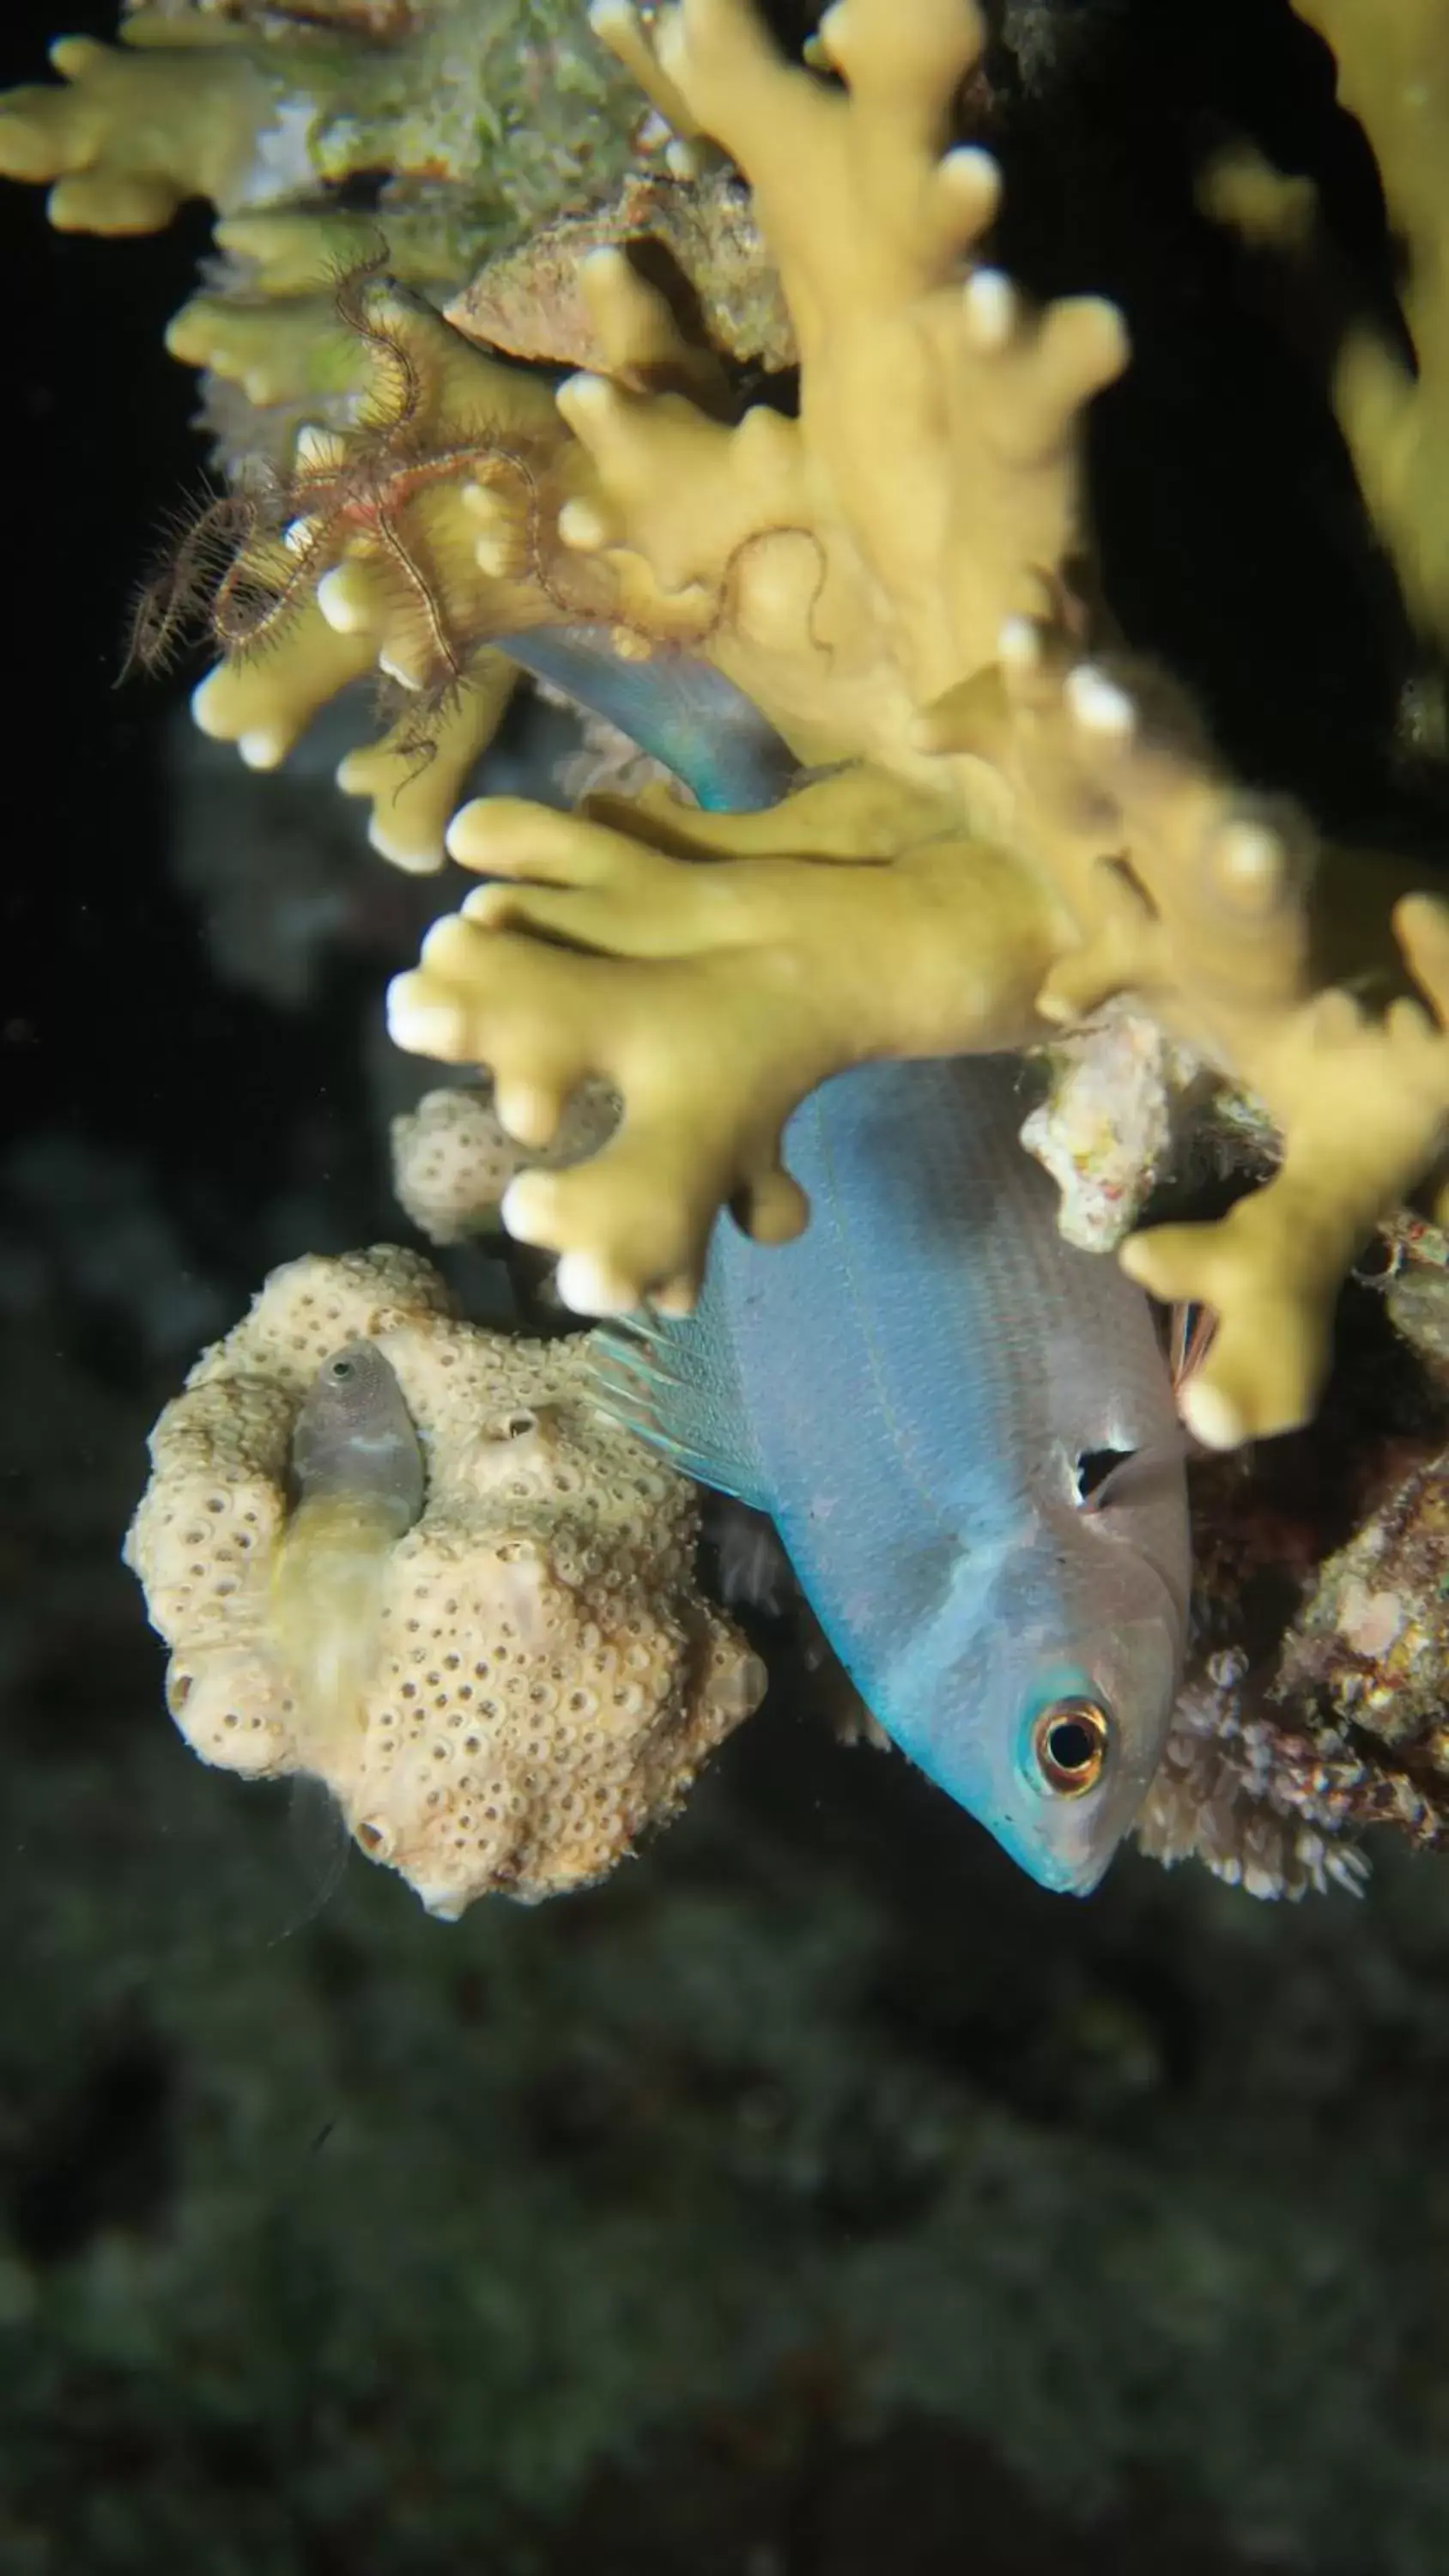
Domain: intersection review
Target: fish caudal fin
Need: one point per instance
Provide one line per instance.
(676, 1382)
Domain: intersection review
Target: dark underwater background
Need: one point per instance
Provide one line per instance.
(817, 2198)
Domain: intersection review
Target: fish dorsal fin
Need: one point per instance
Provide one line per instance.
(676, 1382)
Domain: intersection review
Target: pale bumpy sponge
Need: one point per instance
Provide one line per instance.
(452, 1157)
(547, 1680)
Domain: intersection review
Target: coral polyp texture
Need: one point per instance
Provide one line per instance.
(545, 1680)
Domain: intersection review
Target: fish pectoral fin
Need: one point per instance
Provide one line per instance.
(676, 1384)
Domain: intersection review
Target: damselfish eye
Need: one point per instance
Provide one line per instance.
(1071, 1740)
(340, 1370)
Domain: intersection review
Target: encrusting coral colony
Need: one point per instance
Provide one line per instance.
(548, 1680)
(983, 824)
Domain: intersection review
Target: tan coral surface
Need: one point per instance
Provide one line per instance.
(547, 1679)
(452, 1159)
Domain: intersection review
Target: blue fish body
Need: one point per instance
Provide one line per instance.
(919, 1391)
(673, 705)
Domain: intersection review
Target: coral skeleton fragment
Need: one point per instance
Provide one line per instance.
(745, 439)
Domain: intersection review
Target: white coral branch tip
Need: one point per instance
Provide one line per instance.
(991, 306)
(583, 527)
(584, 397)
(973, 178)
(345, 600)
(418, 1021)
(1018, 645)
(1097, 703)
(1252, 864)
(318, 450)
(586, 1286)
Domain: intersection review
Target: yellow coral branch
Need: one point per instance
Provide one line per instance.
(277, 349)
(1393, 72)
(1010, 829)
(265, 705)
(138, 129)
(781, 966)
(940, 416)
(415, 775)
(1364, 1110)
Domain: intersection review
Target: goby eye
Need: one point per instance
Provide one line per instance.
(1070, 1743)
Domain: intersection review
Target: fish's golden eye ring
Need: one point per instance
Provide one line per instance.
(1070, 1742)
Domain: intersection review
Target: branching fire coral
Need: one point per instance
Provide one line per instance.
(1013, 825)
(894, 579)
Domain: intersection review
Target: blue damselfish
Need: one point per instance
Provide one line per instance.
(673, 705)
(964, 1430)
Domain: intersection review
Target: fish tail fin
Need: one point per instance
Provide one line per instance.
(676, 1383)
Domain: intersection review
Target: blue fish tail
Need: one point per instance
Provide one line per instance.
(677, 1384)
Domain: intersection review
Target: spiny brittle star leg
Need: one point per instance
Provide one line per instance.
(714, 995)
